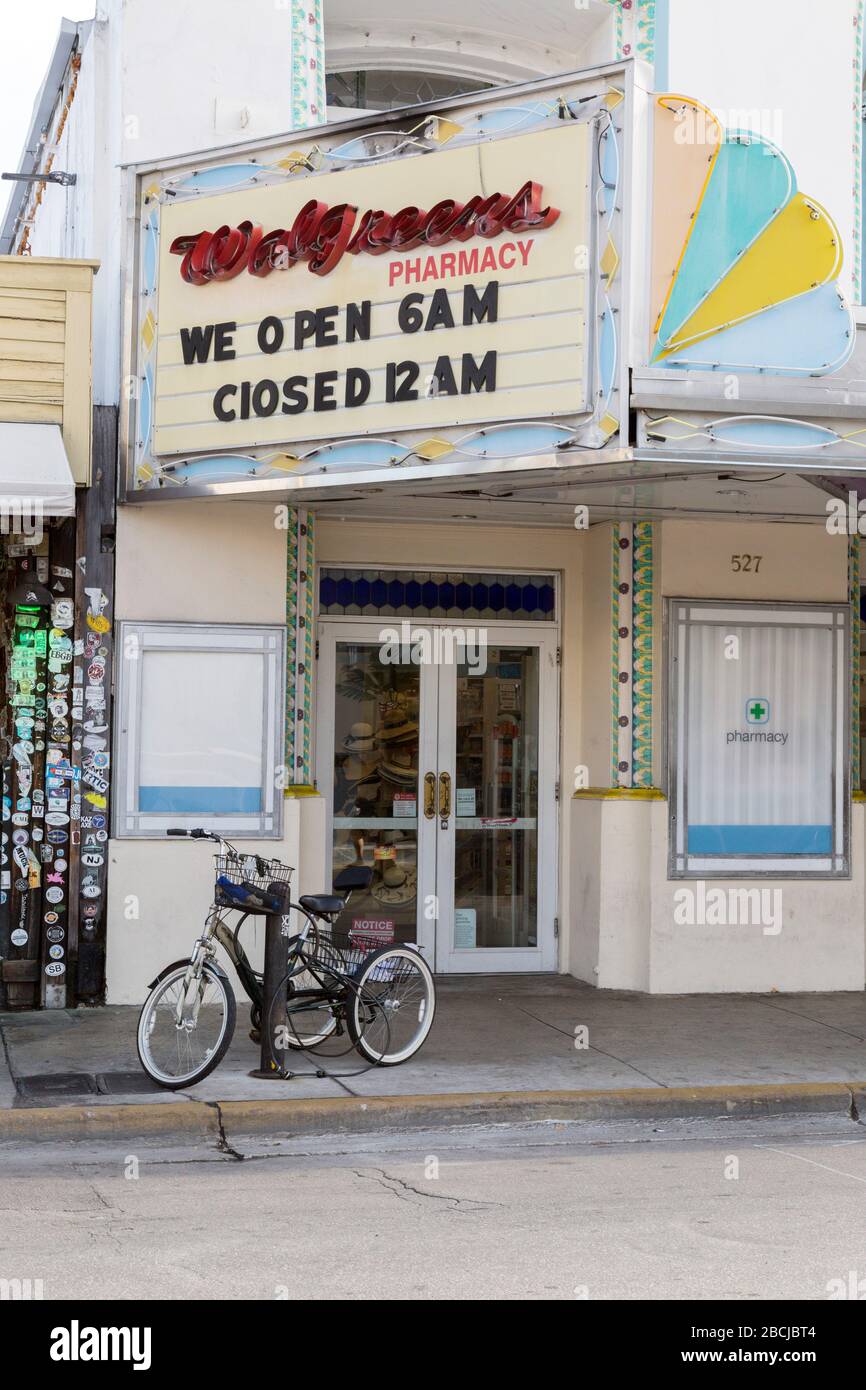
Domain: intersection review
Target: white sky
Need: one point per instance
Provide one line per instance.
(29, 33)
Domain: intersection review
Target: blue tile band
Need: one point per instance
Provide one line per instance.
(760, 839)
(200, 801)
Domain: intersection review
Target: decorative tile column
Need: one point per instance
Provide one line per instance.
(632, 655)
(854, 599)
(308, 108)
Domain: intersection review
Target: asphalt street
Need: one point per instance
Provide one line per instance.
(741, 1211)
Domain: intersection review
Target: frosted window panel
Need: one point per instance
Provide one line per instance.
(202, 732)
(759, 740)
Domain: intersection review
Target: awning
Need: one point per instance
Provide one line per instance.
(34, 471)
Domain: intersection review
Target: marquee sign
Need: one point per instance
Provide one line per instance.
(421, 293)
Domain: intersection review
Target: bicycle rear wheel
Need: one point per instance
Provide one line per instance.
(175, 1055)
(311, 1017)
(392, 1000)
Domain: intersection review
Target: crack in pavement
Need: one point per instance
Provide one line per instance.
(223, 1144)
(600, 1050)
(402, 1190)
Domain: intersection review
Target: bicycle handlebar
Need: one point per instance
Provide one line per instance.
(196, 835)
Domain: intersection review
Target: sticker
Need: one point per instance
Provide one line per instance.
(57, 818)
(22, 858)
(20, 837)
(58, 837)
(19, 937)
(55, 952)
(466, 801)
(55, 969)
(54, 895)
(61, 866)
(51, 918)
(54, 878)
(97, 623)
(96, 800)
(90, 910)
(62, 612)
(20, 818)
(92, 859)
(89, 889)
(94, 780)
(55, 933)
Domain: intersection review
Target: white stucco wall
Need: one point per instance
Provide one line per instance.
(622, 926)
(208, 563)
(618, 850)
(793, 63)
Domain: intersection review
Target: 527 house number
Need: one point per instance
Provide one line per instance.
(745, 564)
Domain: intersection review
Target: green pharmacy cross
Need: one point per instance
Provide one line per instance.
(758, 711)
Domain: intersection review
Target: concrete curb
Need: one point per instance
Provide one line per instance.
(228, 1121)
(68, 1124)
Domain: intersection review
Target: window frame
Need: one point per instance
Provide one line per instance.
(268, 640)
(682, 865)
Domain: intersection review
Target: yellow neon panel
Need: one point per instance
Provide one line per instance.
(798, 251)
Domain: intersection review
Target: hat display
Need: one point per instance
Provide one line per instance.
(397, 767)
(359, 739)
(396, 726)
(360, 769)
(397, 886)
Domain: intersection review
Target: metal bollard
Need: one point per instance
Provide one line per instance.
(274, 991)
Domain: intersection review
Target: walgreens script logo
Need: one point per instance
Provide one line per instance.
(321, 235)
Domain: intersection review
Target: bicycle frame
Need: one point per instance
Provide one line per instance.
(218, 931)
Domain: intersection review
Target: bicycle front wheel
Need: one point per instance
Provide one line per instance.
(391, 1003)
(177, 1054)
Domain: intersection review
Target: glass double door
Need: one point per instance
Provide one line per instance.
(440, 765)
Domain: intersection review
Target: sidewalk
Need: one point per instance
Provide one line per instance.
(496, 1042)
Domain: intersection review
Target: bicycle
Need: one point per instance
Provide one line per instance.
(382, 996)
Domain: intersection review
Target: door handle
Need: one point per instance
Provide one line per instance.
(444, 795)
(430, 795)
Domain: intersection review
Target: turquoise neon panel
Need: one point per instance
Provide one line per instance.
(810, 335)
(749, 185)
(769, 434)
(607, 350)
(222, 176)
(515, 440)
(149, 252)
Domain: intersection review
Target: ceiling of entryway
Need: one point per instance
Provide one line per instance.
(765, 495)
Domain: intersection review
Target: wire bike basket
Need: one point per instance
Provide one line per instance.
(347, 951)
(251, 883)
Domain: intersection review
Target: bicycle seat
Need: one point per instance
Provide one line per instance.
(322, 904)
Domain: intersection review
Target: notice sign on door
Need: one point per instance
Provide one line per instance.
(466, 801)
(464, 929)
(410, 294)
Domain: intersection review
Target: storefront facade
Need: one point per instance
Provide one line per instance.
(479, 443)
(526, 593)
